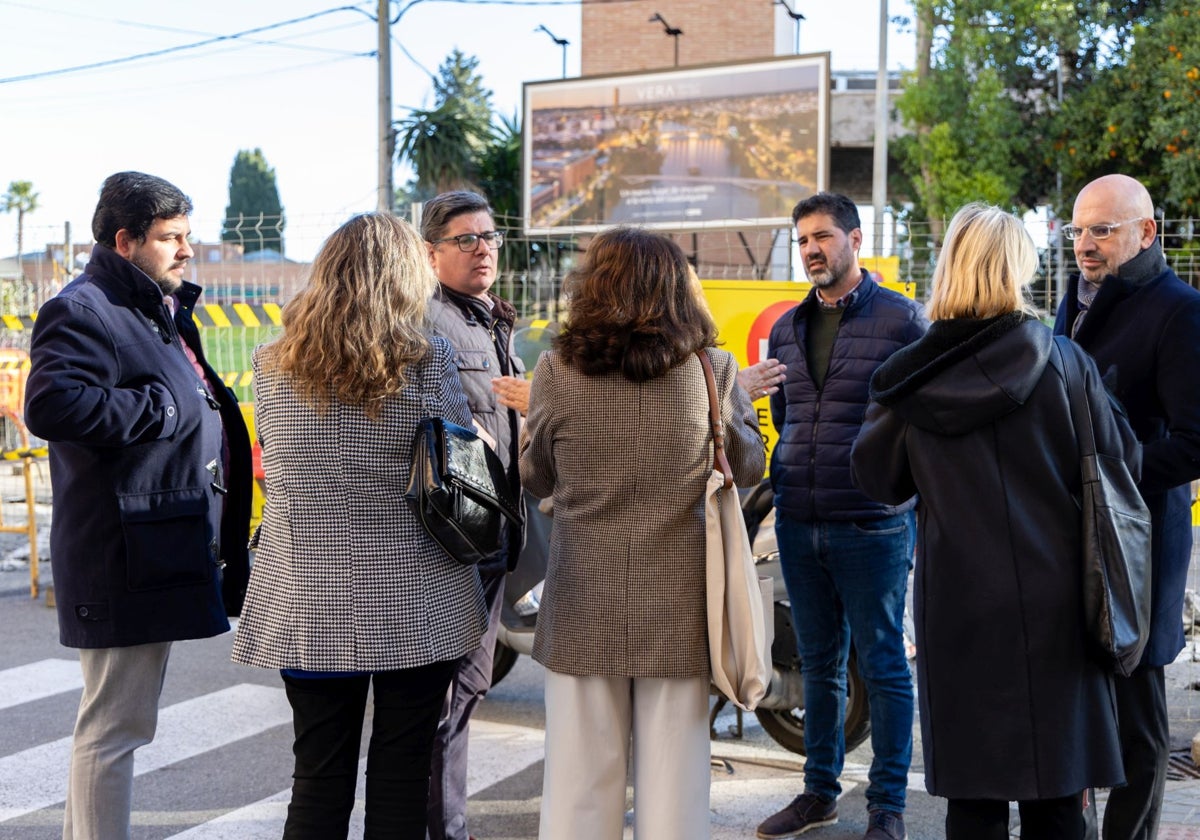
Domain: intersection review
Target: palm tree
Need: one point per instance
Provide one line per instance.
(23, 199)
(500, 166)
(441, 144)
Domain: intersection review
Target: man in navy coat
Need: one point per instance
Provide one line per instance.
(1141, 324)
(149, 460)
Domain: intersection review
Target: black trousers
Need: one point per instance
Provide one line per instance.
(1041, 819)
(1133, 811)
(327, 714)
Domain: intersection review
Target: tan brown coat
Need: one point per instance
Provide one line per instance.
(626, 464)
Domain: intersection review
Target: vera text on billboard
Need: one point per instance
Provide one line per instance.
(722, 146)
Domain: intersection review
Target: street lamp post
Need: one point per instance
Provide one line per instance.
(562, 42)
(879, 174)
(671, 31)
(796, 18)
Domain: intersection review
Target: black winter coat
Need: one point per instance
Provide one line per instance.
(810, 464)
(975, 418)
(1143, 330)
(135, 459)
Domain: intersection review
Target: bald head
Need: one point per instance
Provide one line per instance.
(1121, 203)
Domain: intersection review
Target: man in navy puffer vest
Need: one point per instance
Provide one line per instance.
(845, 558)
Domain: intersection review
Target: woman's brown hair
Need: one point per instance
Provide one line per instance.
(633, 307)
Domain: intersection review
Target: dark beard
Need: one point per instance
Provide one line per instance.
(167, 283)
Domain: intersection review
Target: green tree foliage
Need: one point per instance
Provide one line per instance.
(500, 166)
(444, 144)
(20, 199)
(254, 216)
(1141, 115)
(458, 80)
(988, 120)
(441, 146)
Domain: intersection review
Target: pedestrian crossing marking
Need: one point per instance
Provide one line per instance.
(497, 751)
(37, 777)
(38, 680)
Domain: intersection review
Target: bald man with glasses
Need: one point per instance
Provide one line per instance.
(1141, 324)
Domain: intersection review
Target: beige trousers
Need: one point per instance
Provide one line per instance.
(591, 725)
(118, 713)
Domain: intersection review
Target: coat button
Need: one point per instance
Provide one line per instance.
(170, 411)
(83, 612)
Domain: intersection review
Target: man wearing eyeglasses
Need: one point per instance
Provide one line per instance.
(464, 245)
(1141, 324)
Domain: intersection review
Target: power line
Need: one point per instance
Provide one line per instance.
(156, 53)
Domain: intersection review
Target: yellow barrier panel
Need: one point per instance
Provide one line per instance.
(745, 311)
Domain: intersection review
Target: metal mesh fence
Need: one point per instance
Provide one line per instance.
(266, 259)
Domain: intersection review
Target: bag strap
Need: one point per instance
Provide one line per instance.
(720, 461)
(1081, 411)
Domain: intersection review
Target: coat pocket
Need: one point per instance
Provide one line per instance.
(168, 541)
(475, 372)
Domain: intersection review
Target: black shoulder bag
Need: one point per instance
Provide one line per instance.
(1116, 538)
(458, 490)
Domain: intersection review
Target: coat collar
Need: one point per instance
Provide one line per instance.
(475, 309)
(862, 293)
(125, 279)
(1144, 268)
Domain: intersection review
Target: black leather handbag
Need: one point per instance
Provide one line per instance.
(1116, 540)
(459, 491)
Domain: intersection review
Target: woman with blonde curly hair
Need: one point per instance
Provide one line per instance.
(347, 590)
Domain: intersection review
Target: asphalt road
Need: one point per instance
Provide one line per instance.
(220, 766)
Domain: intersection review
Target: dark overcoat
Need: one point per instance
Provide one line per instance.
(1143, 330)
(239, 477)
(136, 461)
(975, 418)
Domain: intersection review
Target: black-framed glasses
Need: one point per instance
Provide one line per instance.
(468, 242)
(1100, 231)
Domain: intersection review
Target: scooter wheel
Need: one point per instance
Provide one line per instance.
(786, 726)
(503, 660)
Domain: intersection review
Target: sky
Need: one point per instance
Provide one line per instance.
(305, 92)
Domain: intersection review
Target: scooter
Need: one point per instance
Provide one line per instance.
(781, 713)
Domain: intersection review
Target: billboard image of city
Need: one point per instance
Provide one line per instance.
(713, 147)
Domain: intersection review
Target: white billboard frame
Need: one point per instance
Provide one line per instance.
(646, 92)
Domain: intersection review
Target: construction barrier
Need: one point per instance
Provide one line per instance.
(26, 455)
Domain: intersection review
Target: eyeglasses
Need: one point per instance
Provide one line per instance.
(468, 242)
(1073, 232)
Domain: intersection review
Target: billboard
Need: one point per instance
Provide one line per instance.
(720, 146)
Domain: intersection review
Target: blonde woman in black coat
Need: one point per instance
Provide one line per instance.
(975, 418)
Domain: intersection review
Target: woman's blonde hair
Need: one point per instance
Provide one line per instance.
(987, 261)
(361, 320)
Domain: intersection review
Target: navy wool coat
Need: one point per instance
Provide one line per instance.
(1143, 330)
(135, 454)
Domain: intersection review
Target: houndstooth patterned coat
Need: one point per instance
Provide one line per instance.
(345, 579)
(627, 464)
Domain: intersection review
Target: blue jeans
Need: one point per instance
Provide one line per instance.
(847, 580)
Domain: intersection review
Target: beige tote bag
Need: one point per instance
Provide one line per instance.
(741, 624)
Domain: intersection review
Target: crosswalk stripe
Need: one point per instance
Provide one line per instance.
(26, 683)
(497, 752)
(37, 777)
